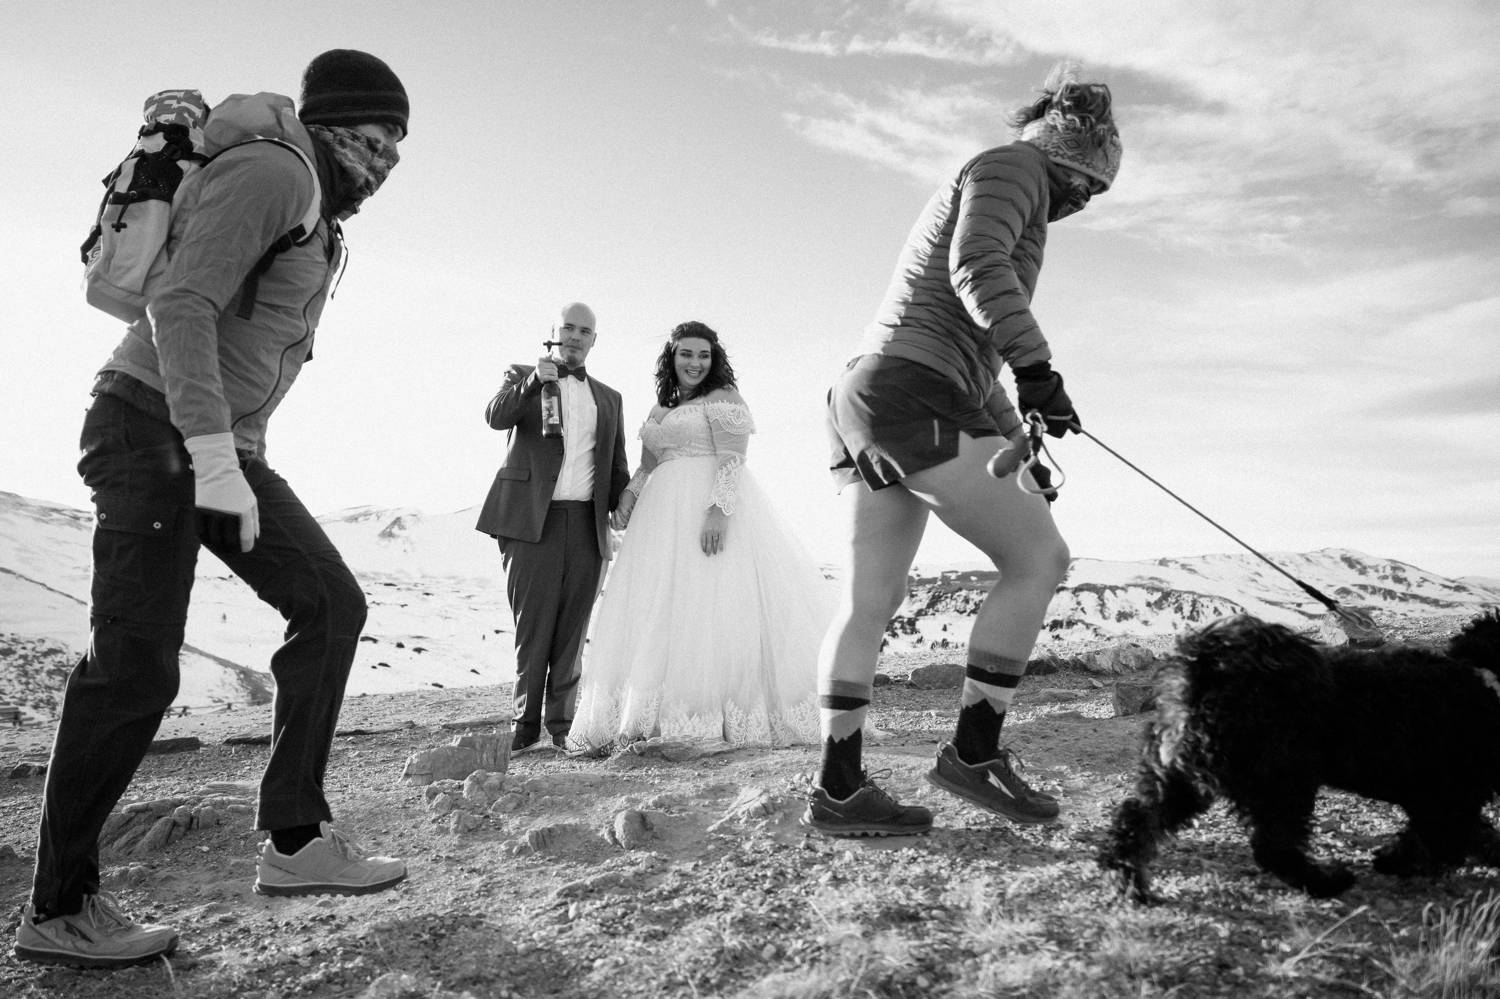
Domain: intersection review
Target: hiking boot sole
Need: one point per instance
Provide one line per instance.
(936, 779)
(80, 961)
(845, 830)
(325, 889)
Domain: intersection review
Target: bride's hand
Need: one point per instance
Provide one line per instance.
(620, 517)
(715, 526)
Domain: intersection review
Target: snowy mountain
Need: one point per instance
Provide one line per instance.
(438, 615)
(1101, 601)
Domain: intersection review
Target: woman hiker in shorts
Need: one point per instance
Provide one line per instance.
(915, 419)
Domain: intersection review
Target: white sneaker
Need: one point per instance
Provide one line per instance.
(329, 865)
(98, 936)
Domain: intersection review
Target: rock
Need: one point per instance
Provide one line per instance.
(463, 822)
(1127, 657)
(397, 985)
(440, 763)
(181, 744)
(1046, 664)
(481, 788)
(1133, 696)
(631, 830)
(752, 803)
(156, 838)
(1054, 695)
(882, 680)
(507, 803)
(1353, 627)
(491, 749)
(594, 884)
(249, 739)
(938, 676)
(8, 855)
(27, 769)
(441, 805)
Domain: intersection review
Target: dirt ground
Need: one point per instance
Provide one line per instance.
(644, 875)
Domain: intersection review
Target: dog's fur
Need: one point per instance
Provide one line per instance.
(1262, 717)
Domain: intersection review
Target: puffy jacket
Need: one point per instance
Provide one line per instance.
(960, 299)
(219, 371)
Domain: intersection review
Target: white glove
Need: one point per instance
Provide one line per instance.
(227, 511)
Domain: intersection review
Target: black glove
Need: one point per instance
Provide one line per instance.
(1040, 388)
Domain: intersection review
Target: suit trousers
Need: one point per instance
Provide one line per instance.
(145, 549)
(551, 585)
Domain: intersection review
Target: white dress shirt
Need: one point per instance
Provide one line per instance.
(580, 417)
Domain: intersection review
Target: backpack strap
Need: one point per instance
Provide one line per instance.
(296, 236)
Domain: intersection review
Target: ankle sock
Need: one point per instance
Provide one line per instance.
(842, 706)
(990, 683)
(288, 841)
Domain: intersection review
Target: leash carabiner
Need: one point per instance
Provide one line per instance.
(1036, 429)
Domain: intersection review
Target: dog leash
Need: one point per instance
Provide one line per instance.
(1359, 626)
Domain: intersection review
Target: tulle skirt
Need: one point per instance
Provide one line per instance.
(688, 646)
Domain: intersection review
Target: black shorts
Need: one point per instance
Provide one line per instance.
(889, 417)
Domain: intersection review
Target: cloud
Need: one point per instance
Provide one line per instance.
(1258, 126)
(969, 49)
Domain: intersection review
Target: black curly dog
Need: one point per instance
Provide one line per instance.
(1258, 715)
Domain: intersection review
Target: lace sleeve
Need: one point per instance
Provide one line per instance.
(731, 425)
(644, 469)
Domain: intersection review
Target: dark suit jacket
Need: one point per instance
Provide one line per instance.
(516, 506)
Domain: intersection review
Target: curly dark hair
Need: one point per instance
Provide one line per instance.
(1087, 105)
(720, 372)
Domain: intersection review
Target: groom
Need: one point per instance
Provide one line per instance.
(549, 508)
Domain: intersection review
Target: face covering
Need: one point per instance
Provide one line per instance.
(365, 160)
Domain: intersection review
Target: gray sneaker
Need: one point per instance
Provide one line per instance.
(329, 865)
(869, 811)
(992, 785)
(98, 936)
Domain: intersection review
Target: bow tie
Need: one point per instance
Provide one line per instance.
(579, 372)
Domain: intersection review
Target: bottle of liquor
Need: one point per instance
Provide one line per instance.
(551, 403)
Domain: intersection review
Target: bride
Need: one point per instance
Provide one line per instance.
(712, 614)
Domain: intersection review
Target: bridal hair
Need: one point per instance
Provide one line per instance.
(720, 373)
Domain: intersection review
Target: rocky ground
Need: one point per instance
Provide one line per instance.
(683, 872)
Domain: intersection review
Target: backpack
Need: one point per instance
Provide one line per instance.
(126, 250)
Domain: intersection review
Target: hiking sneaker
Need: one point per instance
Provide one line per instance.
(869, 811)
(329, 865)
(99, 936)
(992, 785)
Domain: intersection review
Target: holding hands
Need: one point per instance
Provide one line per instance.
(619, 518)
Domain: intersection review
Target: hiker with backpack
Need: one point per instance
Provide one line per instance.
(173, 452)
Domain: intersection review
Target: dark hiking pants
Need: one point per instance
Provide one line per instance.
(145, 549)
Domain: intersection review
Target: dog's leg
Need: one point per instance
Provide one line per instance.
(1404, 856)
(1280, 826)
(1438, 837)
(1164, 802)
(1485, 847)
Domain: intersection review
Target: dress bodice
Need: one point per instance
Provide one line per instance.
(688, 431)
(719, 429)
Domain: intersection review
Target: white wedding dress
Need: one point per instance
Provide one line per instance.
(688, 646)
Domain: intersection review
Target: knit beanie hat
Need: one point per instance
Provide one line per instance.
(349, 87)
(1075, 127)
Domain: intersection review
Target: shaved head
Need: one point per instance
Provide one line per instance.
(574, 331)
(576, 314)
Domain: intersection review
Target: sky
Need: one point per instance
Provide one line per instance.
(1285, 310)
